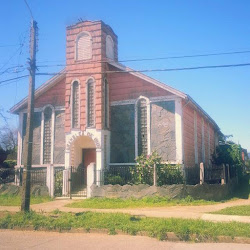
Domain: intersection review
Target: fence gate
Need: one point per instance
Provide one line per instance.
(78, 181)
(75, 183)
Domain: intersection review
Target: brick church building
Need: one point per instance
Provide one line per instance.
(98, 111)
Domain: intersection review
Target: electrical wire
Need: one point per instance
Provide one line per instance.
(157, 58)
(153, 70)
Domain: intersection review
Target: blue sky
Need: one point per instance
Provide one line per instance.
(145, 29)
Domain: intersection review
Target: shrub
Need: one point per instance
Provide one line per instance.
(10, 163)
(167, 174)
(58, 183)
(114, 180)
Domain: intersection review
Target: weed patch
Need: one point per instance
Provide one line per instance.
(186, 230)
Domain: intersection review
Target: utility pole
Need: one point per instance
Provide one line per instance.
(28, 142)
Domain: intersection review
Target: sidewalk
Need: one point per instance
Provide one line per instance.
(186, 212)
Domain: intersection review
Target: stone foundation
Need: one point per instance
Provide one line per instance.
(177, 191)
(36, 190)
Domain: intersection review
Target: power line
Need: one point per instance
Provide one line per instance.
(135, 71)
(153, 70)
(159, 58)
(28, 7)
(11, 45)
(22, 44)
(12, 79)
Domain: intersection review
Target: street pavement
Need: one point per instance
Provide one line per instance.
(51, 240)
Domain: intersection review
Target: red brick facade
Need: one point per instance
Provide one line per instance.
(189, 135)
(83, 70)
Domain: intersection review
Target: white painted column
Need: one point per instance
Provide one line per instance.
(20, 140)
(179, 132)
(91, 170)
(99, 166)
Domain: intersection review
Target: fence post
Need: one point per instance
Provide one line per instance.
(155, 175)
(223, 180)
(66, 180)
(228, 173)
(48, 178)
(201, 173)
(70, 188)
(21, 177)
(52, 180)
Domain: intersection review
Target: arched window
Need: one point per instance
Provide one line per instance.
(106, 104)
(83, 46)
(90, 103)
(75, 104)
(47, 135)
(142, 119)
(110, 48)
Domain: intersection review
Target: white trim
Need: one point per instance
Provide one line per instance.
(94, 102)
(106, 101)
(151, 99)
(71, 103)
(42, 137)
(203, 142)
(195, 139)
(20, 140)
(148, 125)
(178, 131)
(58, 108)
(164, 98)
(125, 102)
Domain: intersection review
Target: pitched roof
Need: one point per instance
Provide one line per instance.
(54, 80)
(39, 91)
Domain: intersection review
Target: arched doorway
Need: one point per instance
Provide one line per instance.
(82, 154)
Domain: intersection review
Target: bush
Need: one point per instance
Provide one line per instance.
(169, 174)
(114, 180)
(143, 172)
(58, 183)
(10, 163)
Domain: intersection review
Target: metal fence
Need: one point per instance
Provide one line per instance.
(7, 175)
(132, 175)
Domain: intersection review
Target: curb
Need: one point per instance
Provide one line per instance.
(170, 236)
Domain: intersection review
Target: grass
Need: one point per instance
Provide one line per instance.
(236, 210)
(15, 200)
(185, 229)
(109, 203)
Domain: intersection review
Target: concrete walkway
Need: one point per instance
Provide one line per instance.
(187, 212)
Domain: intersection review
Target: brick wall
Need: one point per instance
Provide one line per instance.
(124, 86)
(188, 136)
(54, 96)
(86, 69)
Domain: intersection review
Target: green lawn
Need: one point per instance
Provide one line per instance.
(15, 200)
(110, 203)
(185, 229)
(236, 210)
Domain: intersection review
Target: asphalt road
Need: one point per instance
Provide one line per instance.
(10, 239)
